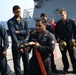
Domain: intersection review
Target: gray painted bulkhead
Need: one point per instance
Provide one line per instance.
(52, 7)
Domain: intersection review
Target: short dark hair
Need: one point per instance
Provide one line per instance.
(43, 15)
(16, 7)
(41, 19)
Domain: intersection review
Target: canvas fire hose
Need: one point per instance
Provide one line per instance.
(40, 63)
(38, 58)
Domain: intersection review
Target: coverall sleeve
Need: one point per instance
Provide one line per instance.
(25, 30)
(74, 30)
(4, 38)
(47, 49)
(12, 32)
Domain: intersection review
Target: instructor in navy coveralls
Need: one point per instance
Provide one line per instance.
(44, 43)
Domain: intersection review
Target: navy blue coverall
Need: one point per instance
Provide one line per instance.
(17, 40)
(66, 32)
(47, 43)
(3, 46)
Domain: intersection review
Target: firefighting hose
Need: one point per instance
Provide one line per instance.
(38, 58)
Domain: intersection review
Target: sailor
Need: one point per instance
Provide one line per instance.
(65, 30)
(19, 31)
(48, 26)
(50, 29)
(44, 43)
(3, 47)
